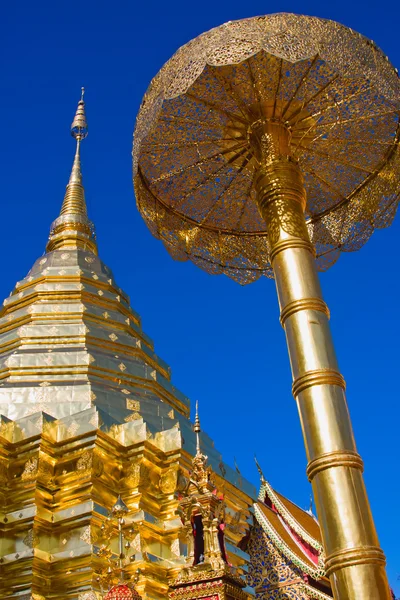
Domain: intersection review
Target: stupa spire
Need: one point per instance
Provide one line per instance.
(72, 229)
(197, 429)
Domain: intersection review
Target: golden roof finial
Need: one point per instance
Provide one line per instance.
(197, 429)
(263, 480)
(72, 229)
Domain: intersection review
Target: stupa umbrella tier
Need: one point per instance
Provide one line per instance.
(260, 146)
(194, 162)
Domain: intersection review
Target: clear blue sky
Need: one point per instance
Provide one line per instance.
(224, 342)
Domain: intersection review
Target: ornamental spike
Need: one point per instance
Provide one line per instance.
(72, 229)
(263, 480)
(197, 429)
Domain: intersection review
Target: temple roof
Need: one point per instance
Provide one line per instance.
(302, 521)
(294, 531)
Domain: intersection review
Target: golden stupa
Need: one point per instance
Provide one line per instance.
(99, 458)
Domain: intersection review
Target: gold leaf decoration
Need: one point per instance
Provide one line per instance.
(30, 469)
(168, 481)
(133, 474)
(133, 404)
(84, 462)
(31, 539)
(133, 417)
(73, 428)
(86, 536)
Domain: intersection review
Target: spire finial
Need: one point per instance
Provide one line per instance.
(310, 510)
(197, 429)
(79, 128)
(263, 480)
(72, 229)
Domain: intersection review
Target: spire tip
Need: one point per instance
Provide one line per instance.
(197, 428)
(79, 127)
(263, 480)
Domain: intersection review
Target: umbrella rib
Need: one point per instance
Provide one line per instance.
(342, 225)
(204, 219)
(321, 254)
(348, 141)
(184, 144)
(207, 178)
(298, 145)
(304, 76)
(214, 106)
(326, 184)
(360, 118)
(254, 84)
(335, 105)
(244, 203)
(277, 87)
(171, 211)
(335, 159)
(199, 162)
(340, 142)
(229, 89)
(350, 197)
(189, 120)
(198, 185)
(313, 97)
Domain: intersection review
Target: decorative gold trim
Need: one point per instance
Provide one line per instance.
(304, 304)
(338, 458)
(354, 556)
(292, 243)
(317, 377)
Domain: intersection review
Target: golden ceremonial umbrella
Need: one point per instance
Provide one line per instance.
(267, 146)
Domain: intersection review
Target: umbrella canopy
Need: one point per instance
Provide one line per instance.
(194, 165)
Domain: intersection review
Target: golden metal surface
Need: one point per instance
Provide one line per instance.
(88, 411)
(354, 560)
(220, 133)
(59, 479)
(194, 164)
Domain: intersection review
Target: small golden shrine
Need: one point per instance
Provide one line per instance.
(207, 574)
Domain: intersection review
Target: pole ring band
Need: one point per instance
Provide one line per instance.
(317, 377)
(291, 243)
(304, 304)
(351, 557)
(338, 458)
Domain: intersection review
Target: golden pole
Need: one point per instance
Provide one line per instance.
(355, 563)
(243, 103)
